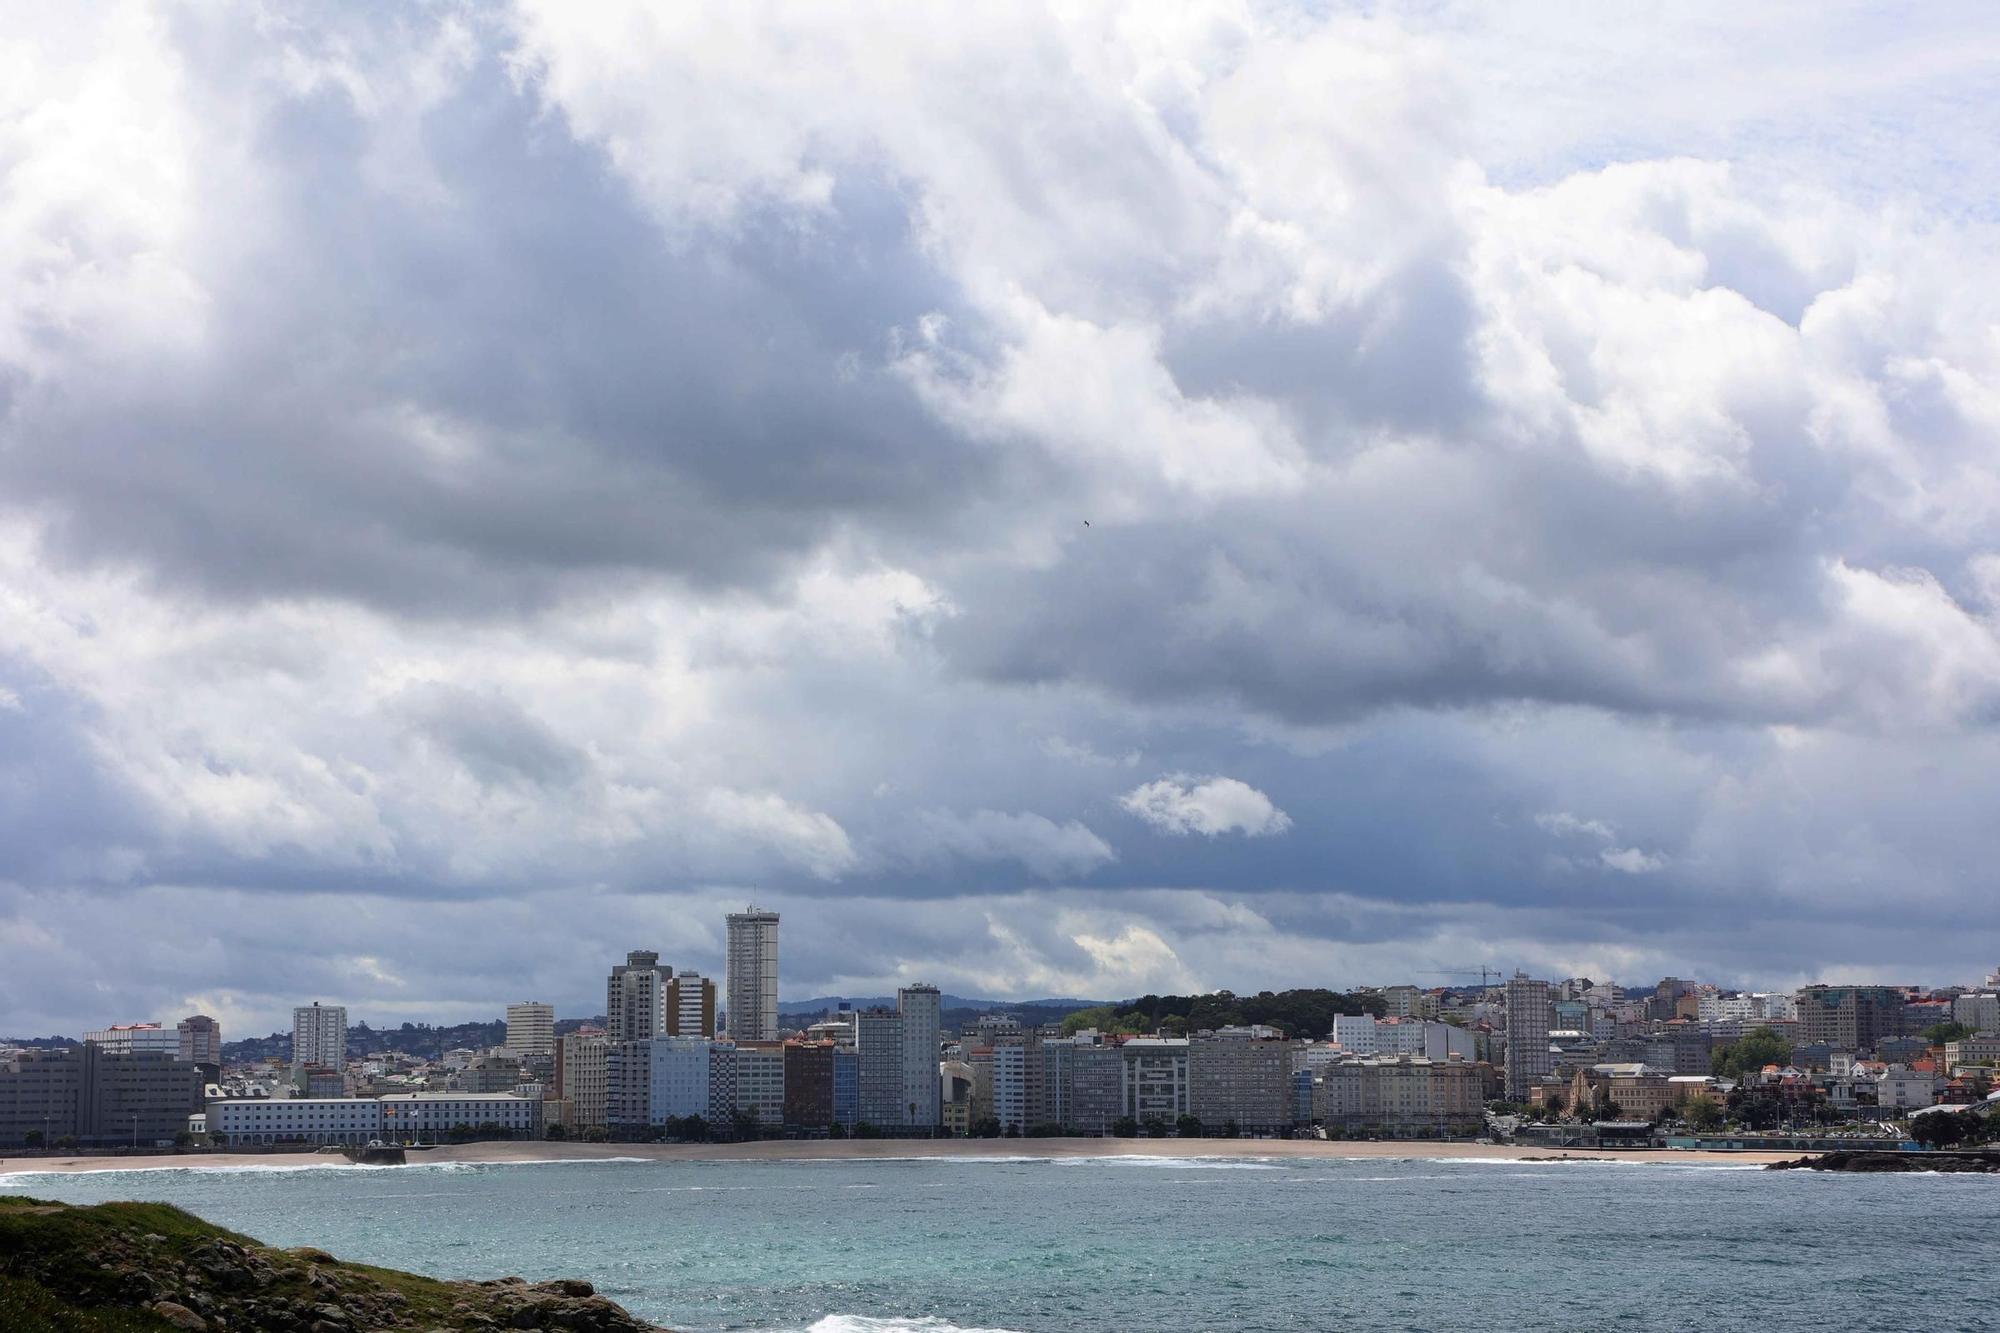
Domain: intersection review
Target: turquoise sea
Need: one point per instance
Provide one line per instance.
(1062, 1246)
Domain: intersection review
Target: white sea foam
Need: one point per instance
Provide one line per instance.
(22, 1178)
(855, 1323)
(260, 1168)
(938, 1159)
(1184, 1163)
(1568, 1162)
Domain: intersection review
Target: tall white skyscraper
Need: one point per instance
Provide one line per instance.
(1528, 1016)
(531, 1028)
(753, 975)
(635, 998)
(319, 1035)
(922, 1010)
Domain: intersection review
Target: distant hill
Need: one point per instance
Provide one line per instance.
(949, 1001)
(957, 1011)
(419, 1039)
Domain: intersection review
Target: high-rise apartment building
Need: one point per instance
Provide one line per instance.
(1409, 1002)
(1529, 1010)
(809, 1084)
(690, 1006)
(583, 1077)
(319, 1035)
(1981, 1013)
(531, 1028)
(760, 1082)
(1433, 1041)
(1665, 1003)
(1156, 1078)
(1096, 1093)
(199, 1039)
(41, 1096)
(101, 1095)
(1849, 1018)
(1399, 1095)
(1235, 1078)
(753, 975)
(628, 1079)
(922, 1010)
(879, 1040)
(635, 998)
(1354, 1032)
(721, 1082)
(1016, 1086)
(680, 1070)
(846, 1086)
(1058, 1061)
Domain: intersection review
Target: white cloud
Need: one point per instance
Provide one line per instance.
(1564, 824)
(1632, 861)
(1073, 752)
(1180, 804)
(806, 837)
(1624, 860)
(1046, 848)
(1471, 423)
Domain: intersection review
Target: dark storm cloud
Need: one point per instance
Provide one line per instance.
(478, 384)
(486, 490)
(494, 739)
(63, 814)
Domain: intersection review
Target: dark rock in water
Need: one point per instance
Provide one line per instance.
(1867, 1163)
(150, 1265)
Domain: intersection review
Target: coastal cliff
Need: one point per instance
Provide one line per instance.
(133, 1267)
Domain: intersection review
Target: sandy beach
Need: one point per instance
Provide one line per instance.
(893, 1149)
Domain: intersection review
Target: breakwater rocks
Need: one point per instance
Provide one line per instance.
(1877, 1162)
(152, 1266)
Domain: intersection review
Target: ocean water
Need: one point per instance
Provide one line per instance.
(1063, 1246)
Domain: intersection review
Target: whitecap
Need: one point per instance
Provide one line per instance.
(854, 1323)
(327, 1163)
(1185, 1163)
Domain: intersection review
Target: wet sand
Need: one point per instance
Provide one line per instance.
(816, 1150)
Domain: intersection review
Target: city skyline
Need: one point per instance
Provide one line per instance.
(1256, 496)
(1495, 981)
(1404, 1060)
(662, 1062)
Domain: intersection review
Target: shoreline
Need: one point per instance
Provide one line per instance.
(863, 1150)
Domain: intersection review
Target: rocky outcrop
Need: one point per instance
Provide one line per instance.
(1875, 1162)
(125, 1265)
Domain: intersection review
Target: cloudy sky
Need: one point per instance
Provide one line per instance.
(1065, 501)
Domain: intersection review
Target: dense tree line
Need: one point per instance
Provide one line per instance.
(1954, 1129)
(1297, 1013)
(1750, 1053)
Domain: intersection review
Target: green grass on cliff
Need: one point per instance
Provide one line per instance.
(70, 1269)
(27, 1307)
(52, 1240)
